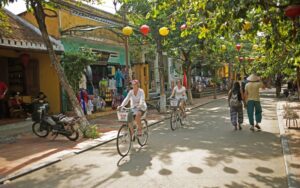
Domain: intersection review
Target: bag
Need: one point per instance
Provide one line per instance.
(234, 100)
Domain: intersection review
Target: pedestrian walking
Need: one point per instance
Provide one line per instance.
(235, 98)
(253, 100)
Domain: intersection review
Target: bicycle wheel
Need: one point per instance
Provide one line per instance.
(182, 117)
(41, 130)
(173, 120)
(142, 140)
(124, 140)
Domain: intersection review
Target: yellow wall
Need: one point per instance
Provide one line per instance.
(51, 23)
(65, 21)
(49, 83)
(141, 73)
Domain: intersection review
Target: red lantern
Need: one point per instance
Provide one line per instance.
(238, 47)
(144, 29)
(183, 27)
(25, 59)
(292, 11)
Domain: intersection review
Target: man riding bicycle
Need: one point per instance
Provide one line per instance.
(136, 96)
(180, 95)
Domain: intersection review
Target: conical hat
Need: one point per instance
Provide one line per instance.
(253, 78)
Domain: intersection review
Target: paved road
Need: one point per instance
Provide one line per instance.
(205, 153)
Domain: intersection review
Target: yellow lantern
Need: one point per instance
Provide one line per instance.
(254, 47)
(127, 31)
(223, 47)
(247, 25)
(164, 31)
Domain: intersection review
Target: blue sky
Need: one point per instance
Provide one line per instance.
(20, 6)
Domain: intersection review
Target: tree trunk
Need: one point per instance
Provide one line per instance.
(161, 77)
(189, 82)
(40, 17)
(298, 81)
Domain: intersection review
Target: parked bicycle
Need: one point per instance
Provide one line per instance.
(56, 124)
(177, 115)
(128, 131)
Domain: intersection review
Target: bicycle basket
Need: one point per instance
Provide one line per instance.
(125, 116)
(174, 103)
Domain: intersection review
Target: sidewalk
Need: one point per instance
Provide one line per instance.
(290, 140)
(27, 153)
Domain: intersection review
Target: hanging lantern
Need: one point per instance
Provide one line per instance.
(25, 59)
(247, 25)
(144, 29)
(164, 31)
(292, 11)
(127, 31)
(241, 58)
(238, 47)
(251, 59)
(183, 27)
(254, 47)
(223, 47)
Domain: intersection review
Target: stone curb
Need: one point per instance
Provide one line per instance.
(285, 146)
(85, 146)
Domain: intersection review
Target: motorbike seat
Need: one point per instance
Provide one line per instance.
(66, 119)
(58, 117)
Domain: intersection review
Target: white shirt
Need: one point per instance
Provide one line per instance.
(136, 100)
(179, 93)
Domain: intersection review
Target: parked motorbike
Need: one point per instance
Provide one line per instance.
(56, 124)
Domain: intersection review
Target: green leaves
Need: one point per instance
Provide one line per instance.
(74, 64)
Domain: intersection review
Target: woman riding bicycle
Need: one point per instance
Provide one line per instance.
(180, 95)
(136, 96)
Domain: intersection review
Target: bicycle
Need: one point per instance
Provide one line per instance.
(176, 113)
(125, 136)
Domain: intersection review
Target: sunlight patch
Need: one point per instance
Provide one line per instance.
(215, 108)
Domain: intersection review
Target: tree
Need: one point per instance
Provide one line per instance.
(38, 10)
(144, 12)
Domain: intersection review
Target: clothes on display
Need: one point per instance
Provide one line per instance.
(83, 98)
(119, 80)
(98, 103)
(103, 84)
(117, 101)
(112, 84)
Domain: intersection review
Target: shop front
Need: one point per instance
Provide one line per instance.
(26, 69)
(105, 78)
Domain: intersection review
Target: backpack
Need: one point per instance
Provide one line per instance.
(234, 100)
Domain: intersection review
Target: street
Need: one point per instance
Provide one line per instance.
(206, 152)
